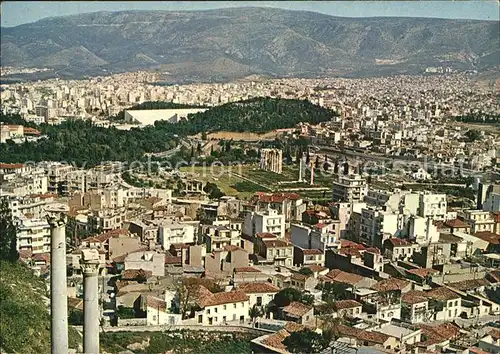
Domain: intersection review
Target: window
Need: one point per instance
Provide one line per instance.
(234, 305)
(208, 311)
(242, 304)
(234, 316)
(259, 300)
(154, 317)
(224, 307)
(215, 310)
(456, 302)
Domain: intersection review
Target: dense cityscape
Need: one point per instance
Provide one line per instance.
(258, 215)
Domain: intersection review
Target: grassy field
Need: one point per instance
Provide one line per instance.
(245, 180)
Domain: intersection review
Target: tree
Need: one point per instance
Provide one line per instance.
(8, 233)
(198, 148)
(333, 291)
(306, 341)
(473, 135)
(204, 135)
(255, 312)
(306, 271)
(289, 295)
(286, 296)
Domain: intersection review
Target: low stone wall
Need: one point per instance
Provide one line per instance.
(126, 322)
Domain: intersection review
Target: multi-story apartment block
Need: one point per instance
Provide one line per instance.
(217, 237)
(377, 225)
(33, 235)
(479, 220)
(271, 250)
(351, 188)
(172, 233)
(319, 236)
(433, 206)
(268, 221)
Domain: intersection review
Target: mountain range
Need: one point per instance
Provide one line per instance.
(231, 43)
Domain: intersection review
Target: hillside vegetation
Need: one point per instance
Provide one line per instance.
(82, 143)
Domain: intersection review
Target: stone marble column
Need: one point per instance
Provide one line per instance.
(58, 286)
(90, 269)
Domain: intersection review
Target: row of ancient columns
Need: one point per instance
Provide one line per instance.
(59, 293)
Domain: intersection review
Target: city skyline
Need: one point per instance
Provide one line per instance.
(22, 12)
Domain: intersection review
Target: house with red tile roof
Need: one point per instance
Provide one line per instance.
(450, 303)
(298, 312)
(366, 338)
(438, 336)
(397, 249)
(415, 307)
(223, 307)
(277, 252)
(259, 293)
(350, 308)
(158, 314)
(457, 225)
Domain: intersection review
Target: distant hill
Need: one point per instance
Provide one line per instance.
(230, 43)
(257, 115)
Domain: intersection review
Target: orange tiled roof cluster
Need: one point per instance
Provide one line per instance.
(439, 333)
(258, 288)
(456, 223)
(422, 272)
(207, 298)
(414, 297)
(346, 304)
(340, 276)
(488, 237)
(133, 274)
(442, 294)
(362, 335)
(316, 268)
(246, 270)
(297, 309)
(156, 303)
(392, 284)
(471, 284)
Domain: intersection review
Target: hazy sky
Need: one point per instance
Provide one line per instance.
(14, 13)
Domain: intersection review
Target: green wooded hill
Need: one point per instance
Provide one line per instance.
(85, 144)
(256, 115)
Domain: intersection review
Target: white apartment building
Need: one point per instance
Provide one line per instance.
(175, 233)
(351, 188)
(320, 236)
(268, 221)
(390, 200)
(34, 236)
(422, 230)
(479, 220)
(376, 223)
(433, 206)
